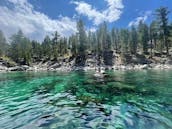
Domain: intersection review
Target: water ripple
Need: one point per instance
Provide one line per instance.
(126, 100)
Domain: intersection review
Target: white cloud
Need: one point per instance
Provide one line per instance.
(111, 14)
(93, 29)
(143, 18)
(33, 23)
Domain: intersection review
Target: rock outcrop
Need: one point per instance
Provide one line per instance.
(107, 61)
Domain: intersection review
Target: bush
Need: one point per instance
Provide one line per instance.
(7, 61)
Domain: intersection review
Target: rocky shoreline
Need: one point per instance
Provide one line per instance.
(111, 61)
(86, 68)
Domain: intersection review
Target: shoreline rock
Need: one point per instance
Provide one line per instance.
(108, 61)
(38, 68)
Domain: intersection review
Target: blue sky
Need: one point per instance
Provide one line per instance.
(37, 18)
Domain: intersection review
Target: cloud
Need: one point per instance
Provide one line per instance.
(34, 24)
(143, 18)
(111, 14)
(93, 29)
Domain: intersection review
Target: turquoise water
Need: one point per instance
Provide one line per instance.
(80, 100)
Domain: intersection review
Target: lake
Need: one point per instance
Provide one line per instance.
(81, 100)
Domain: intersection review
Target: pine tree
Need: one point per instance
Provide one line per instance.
(81, 37)
(21, 48)
(3, 44)
(124, 40)
(162, 19)
(144, 36)
(55, 44)
(134, 40)
(73, 40)
(153, 33)
(47, 47)
(37, 51)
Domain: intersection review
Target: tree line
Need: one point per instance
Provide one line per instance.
(145, 39)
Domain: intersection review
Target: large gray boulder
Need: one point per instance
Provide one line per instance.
(19, 68)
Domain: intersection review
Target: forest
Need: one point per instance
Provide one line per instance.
(154, 39)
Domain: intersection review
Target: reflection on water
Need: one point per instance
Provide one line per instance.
(114, 100)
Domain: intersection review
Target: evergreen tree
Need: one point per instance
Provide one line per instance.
(81, 37)
(144, 36)
(124, 40)
(108, 45)
(21, 48)
(134, 40)
(37, 51)
(104, 36)
(55, 45)
(153, 33)
(47, 47)
(63, 46)
(3, 44)
(162, 19)
(73, 40)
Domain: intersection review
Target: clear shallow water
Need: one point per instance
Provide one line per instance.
(79, 100)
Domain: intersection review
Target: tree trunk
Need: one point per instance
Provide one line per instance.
(151, 48)
(167, 48)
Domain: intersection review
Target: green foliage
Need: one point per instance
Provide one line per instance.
(144, 36)
(3, 44)
(125, 39)
(134, 40)
(47, 47)
(37, 50)
(9, 62)
(82, 38)
(20, 48)
(73, 44)
(55, 43)
(162, 19)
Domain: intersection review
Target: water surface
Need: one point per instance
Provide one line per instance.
(80, 100)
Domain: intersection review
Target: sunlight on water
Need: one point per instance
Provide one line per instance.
(116, 100)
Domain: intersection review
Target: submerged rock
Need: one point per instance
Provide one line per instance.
(98, 75)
